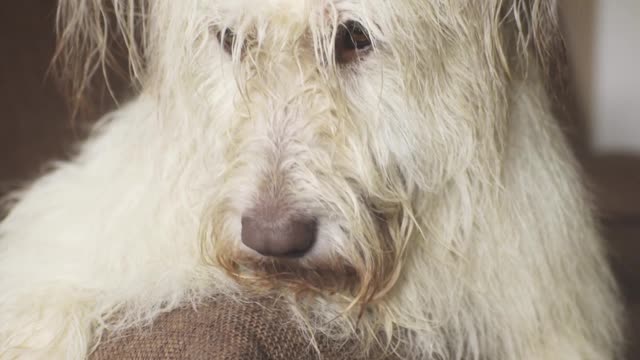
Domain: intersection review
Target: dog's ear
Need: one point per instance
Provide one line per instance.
(99, 41)
(537, 25)
(524, 31)
(530, 28)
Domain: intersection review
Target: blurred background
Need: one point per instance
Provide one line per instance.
(602, 104)
(603, 39)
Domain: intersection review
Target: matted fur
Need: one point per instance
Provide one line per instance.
(452, 220)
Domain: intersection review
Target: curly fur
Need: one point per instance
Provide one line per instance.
(452, 220)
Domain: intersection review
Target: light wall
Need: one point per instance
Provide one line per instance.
(604, 41)
(616, 95)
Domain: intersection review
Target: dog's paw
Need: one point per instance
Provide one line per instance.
(41, 340)
(42, 331)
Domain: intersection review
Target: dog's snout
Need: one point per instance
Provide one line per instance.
(290, 238)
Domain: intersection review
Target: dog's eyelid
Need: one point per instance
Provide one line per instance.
(227, 39)
(353, 41)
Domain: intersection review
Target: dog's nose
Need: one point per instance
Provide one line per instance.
(292, 238)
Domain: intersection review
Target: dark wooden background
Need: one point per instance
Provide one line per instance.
(35, 128)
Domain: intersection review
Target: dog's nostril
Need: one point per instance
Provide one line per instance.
(292, 238)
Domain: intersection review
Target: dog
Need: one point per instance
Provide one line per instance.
(391, 169)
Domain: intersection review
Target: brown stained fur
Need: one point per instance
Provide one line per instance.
(358, 284)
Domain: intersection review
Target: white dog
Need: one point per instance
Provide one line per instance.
(395, 160)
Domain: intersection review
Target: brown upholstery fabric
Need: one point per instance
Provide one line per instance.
(220, 329)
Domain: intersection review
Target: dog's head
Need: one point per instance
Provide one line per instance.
(339, 125)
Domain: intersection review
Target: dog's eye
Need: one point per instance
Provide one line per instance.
(227, 40)
(352, 42)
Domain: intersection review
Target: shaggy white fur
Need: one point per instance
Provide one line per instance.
(452, 220)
